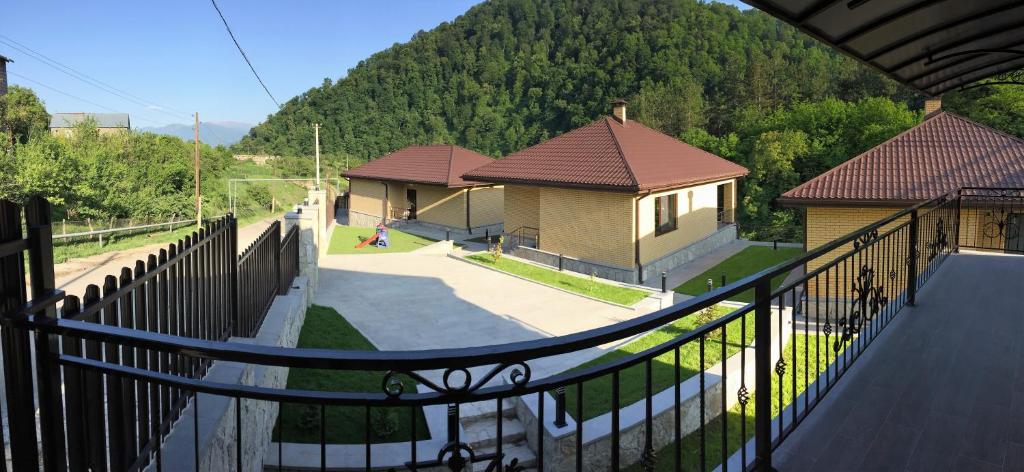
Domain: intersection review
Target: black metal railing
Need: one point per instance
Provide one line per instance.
(289, 260)
(993, 219)
(739, 378)
(259, 271)
(187, 290)
(525, 236)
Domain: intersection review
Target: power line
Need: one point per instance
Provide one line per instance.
(74, 73)
(232, 34)
(75, 97)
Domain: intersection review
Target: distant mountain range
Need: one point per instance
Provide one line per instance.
(213, 133)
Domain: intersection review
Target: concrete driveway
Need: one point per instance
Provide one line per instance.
(418, 301)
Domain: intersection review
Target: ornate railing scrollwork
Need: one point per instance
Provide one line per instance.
(869, 300)
(939, 242)
(520, 375)
(1002, 227)
(865, 239)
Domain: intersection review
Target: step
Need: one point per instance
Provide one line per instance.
(470, 412)
(482, 433)
(519, 450)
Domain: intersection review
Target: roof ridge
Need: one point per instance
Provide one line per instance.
(622, 154)
(451, 159)
(981, 125)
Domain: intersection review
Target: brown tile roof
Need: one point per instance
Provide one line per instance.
(435, 164)
(610, 155)
(943, 153)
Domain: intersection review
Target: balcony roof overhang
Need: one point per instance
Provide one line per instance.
(932, 46)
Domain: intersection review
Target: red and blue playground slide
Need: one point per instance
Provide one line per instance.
(380, 238)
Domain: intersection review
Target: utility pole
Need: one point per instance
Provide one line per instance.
(3, 88)
(316, 128)
(199, 201)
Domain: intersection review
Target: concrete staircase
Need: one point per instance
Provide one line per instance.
(480, 432)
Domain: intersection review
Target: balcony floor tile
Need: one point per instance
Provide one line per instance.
(941, 388)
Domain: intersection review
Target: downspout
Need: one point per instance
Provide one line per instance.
(636, 238)
(468, 226)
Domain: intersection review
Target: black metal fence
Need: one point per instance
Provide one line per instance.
(187, 290)
(259, 270)
(738, 381)
(289, 260)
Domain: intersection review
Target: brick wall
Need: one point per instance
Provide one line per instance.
(440, 205)
(522, 207)
(589, 225)
(696, 219)
(486, 206)
(366, 197)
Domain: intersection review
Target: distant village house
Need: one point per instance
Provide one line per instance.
(259, 159)
(63, 124)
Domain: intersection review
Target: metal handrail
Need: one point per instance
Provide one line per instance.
(458, 357)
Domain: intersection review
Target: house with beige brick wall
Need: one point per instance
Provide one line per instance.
(616, 199)
(424, 184)
(943, 153)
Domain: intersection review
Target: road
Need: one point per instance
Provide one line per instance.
(75, 275)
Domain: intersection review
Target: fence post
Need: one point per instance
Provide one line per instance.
(956, 222)
(763, 374)
(559, 407)
(912, 261)
(51, 417)
(277, 256)
(16, 355)
(232, 257)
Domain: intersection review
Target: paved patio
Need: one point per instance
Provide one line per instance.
(411, 301)
(942, 388)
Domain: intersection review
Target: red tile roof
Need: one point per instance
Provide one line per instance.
(435, 164)
(610, 155)
(943, 153)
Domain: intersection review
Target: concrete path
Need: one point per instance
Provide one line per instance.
(75, 275)
(413, 302)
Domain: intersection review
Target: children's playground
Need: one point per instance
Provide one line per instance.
(379, 240)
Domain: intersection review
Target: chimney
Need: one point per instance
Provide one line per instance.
(3, 75)
(619, 110)
(932, 105)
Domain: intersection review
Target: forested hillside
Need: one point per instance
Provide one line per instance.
(510, 73)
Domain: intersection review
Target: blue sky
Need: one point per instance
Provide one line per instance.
(177, 58)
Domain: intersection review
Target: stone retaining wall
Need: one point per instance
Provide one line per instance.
(618, 274)
(653, 269)
(217, 433)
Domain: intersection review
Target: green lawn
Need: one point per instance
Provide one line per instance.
(734, 417)
(325, 328)
(597, 392)
(345, 239)
(750, 260)
(582, 285)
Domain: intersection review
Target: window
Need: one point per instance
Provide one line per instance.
(664, 214)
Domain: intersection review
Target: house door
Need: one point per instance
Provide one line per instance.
(1015, 232)
(410, 195)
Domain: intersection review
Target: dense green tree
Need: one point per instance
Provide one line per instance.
(22, 115)
(998, 106)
